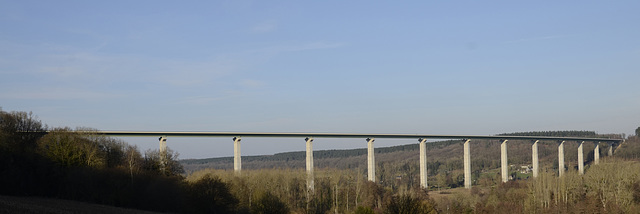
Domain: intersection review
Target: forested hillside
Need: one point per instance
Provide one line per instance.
(78, 164)
(444, 158)
(611, 187)
(83, 166)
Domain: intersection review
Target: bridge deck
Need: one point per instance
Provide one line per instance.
(343, 135)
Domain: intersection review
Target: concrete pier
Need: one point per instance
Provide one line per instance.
(580, 159)
(237, 161)
(504, 162)
(163, 153)
(561, 159)
(163, 144)
(534, 158)
(467, 165)
(596, 154)
(371, 161)
(610, 150)
(423, 163)
(310, 178)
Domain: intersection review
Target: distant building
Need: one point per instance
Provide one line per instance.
(526, 169)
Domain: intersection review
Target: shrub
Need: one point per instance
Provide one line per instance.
(211, 195)
(269, 203)
(364, 210)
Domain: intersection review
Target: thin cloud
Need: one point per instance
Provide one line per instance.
(199, 100)
(79, 65)
(208, 99)
(265, 27)
(249, 83)
(296, 48)
(276, 122)
(62, 71)
(187, 74)
(58, 94)
(537, 39)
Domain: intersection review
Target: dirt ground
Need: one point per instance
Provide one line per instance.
(13, 204)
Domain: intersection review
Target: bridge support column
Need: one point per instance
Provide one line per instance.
(467, 165)
(423, 163)
(561, 159)
(610, 150)
(310, 178)
(163, 144)
(371, 161)
(504, 162)
(596, 154)
(163, 153)
(534, 158)
(580, 159)
(237, 161)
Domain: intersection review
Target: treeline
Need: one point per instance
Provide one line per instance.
(630, 148)
(352, 158)
(554, 134)
(398, 166)
(301, 155)
(80, 165)
(610, 187)
(336, 191)
(342, 159)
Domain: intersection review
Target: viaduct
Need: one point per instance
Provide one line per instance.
(422, 139)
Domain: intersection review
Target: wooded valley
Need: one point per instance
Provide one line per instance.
(77, 164)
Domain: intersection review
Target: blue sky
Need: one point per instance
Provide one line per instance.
(428, 67)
